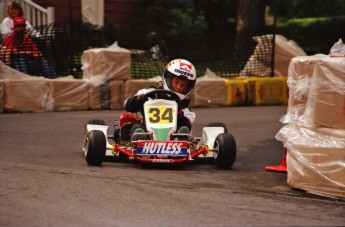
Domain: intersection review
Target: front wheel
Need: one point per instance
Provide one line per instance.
(225, 150)
(95, 147)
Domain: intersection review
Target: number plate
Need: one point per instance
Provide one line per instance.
(160, 115)
(160, 118)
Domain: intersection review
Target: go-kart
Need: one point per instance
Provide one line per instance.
(160, 143)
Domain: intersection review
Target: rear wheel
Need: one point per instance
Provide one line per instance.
(125, 131)
(141, 127)
(116, 136)
(217, 124)
(95, 147)
(225, 150)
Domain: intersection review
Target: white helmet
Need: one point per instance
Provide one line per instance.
(182, 69)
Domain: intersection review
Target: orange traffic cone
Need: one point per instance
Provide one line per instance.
(282, 167)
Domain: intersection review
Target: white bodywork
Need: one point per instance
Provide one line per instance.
(155, 110)
(104, 129)
(208, 136)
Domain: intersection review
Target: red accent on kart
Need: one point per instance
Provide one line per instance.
(202, 150)
(128, 118)
(157, 159)
(123, 150)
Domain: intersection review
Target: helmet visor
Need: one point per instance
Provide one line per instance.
(179, 84)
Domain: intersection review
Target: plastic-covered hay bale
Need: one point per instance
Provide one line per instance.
(68, 94)
(315, 158)
(106, 96)
(111, 63)
(26, 95)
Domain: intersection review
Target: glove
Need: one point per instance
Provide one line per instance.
(135, 103)
(140, 99)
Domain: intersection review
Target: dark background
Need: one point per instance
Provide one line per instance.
(203, 31)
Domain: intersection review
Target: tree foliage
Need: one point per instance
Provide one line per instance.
(177, 25)
(195, 17)
(309, 8)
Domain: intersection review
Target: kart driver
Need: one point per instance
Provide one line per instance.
(179, 76)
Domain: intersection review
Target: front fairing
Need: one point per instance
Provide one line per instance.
(160, 118)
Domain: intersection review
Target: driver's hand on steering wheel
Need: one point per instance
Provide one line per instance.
(140, 99)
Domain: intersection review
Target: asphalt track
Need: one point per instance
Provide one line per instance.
(45, 181)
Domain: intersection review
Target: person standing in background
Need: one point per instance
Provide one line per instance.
(21, 52)
(13, 10)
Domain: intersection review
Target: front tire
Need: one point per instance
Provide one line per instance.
(95, 148)
(225, 150)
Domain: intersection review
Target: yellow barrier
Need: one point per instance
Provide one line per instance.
(237, 92)
(268, 90)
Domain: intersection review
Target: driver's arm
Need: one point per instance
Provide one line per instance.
(182, 120)
(134, 104)
(185, 115)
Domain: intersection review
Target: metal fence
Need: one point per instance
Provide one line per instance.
(63, 43)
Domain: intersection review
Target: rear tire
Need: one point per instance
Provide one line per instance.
(217, 124)
(95, 148)
(125, 131)
(134, 128)
(226, 155)
(116, 136)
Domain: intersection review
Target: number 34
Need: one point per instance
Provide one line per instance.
(161, 115)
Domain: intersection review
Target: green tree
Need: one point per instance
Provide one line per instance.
(180, 25)
(309, 8)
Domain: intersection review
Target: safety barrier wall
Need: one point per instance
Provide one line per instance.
(107, 83)
(314, 134)
(68, 94)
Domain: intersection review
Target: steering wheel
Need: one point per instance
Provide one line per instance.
(163, 94)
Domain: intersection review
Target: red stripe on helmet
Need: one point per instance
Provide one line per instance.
(185, 64)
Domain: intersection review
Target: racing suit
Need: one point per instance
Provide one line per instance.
(184, 117)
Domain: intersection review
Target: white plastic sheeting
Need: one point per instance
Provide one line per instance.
(315, 132)
(315, 158)
(110, 63)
